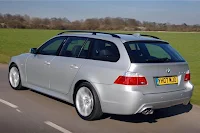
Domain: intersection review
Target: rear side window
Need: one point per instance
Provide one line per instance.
(73, 46)
(104, 51)
(152, 52)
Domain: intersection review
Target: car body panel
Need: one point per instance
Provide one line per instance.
(120, 99)
(153, 70)
(38, 70)
(66, 69)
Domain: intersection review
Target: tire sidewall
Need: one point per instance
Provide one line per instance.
(95, 99)
(19, 85)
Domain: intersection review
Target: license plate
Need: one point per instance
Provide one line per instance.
(166, 80)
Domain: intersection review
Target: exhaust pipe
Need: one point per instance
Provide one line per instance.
(147, 111)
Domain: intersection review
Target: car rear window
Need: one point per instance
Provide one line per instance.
(152, 52)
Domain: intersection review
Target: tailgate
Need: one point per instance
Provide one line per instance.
(165, 73)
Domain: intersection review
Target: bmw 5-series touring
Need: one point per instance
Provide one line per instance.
(105, 73)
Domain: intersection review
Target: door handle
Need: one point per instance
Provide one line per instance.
(74, 66)
(47, 63)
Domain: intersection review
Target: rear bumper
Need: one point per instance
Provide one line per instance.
(126, 101)
(164, 103)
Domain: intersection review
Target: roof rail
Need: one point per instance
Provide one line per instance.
(138, 34)
(93, 32)
(150, 36)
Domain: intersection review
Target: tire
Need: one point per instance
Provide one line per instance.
(89, 102)
(16, 85)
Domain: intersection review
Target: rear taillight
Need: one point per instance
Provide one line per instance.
(131, 79)
(187, 76)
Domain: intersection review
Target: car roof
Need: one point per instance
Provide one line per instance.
(109, 36)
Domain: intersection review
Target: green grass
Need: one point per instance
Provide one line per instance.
(16, 41)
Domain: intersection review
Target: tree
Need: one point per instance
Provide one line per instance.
(91, 24)
(108, 23)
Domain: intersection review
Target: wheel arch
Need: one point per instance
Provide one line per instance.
(76, 86)
(12, 63)
(82, 81)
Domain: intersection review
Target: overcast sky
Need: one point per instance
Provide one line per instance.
(177, 12)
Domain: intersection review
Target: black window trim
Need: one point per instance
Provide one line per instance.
(61, 46)
(88, 48)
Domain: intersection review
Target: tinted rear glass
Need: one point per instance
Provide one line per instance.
(152, 52)
(104, 51)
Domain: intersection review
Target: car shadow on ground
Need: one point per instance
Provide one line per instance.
(158, 114)
(138, 118)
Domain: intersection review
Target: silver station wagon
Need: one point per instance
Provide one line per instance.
(105, 73)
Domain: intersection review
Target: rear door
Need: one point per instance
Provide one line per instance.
(65, 66)
(160, 64)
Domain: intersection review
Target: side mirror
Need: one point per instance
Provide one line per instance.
(33, 50)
